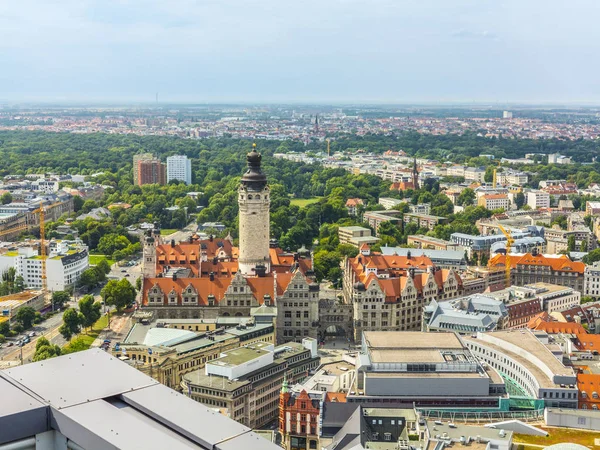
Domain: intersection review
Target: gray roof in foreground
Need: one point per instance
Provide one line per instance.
(99, 402)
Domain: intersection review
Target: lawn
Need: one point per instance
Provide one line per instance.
(95, 259)
(87, 338)
(302, 202)
(167, 231)
(556, 436)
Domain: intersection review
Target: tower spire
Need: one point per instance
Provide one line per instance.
(415, 174)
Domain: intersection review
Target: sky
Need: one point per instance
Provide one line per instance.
(305, 51)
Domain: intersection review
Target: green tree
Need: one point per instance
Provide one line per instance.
(72, 321)
(325, 264)
(466, 197)
(519, 200)
(571, 243)
(6, 198)
(45, 350)
(88, 278)
(584, 246)
(59, 298)
(112, 243)
(77, 203)
(5, 327)
(592, 256)
(586, 299)
(90, 311)
(25, 317)
(488, 177)
(104, 266)
(138, 284)
(120, 294)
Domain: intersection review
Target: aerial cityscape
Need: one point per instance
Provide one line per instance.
(221, 230)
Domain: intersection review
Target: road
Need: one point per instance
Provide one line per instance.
(49, 328)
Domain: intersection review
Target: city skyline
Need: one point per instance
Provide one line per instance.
(336, 52)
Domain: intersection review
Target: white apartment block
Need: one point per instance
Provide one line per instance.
(389, 203)
(538, 199)
(179, 167)
(591, 281)
(513, 178)
(494, 201)
(64, 265)
(474, 174)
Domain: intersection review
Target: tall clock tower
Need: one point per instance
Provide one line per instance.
(254, 201)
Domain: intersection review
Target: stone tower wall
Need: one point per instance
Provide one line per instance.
(254, 227)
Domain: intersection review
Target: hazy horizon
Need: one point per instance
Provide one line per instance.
(383, 52)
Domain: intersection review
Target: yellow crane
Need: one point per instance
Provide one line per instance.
(43, 250)
(495, 176)
(509, 243)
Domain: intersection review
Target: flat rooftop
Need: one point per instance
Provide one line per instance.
(459, 430)
(412, 340)
(241, 355)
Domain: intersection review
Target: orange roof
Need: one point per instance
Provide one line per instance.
(260, 286)
(587, 341)
(539, 318)
(339, 397)
(560, 263)
(354, 202)
(560, 327)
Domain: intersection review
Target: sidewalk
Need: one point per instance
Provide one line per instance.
(119, 326)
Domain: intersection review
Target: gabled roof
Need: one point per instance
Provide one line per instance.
(560, 263)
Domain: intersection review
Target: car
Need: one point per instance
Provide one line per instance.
(26, 340)
(123, 270)
(10, 344)
(32, 334)
(126, 275)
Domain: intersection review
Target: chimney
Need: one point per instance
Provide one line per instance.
(215, 261)
(172, 242)
(211, 238)
(212, 276)
(174, 277)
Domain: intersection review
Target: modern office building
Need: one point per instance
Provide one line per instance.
(427, 369)
(427, 242)
(444, 259)
(65, 263)
(91, 400)
(426, 221)
(376, 218)
(246, 382)
(528, 363)
(179, 167)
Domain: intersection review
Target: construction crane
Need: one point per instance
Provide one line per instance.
(509, 243)
(495, 177)
(328, 153)
(43, 250)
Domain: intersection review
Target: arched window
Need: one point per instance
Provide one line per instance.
(257, 197)
(249, 197)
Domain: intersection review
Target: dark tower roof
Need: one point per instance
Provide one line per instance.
(254, 178)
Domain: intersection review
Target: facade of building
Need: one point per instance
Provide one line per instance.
(352, 205)
(376, 218)
(137, 158)
(151, 171)
(427, 369)
(494, 201)
(424, 220)
(246, 382)
(388, 202)
(444, 259)
(538, 199)
(390, 292)
(529, 269)
(522, 357)
(10, 304)
(254, 202)
(65, 263)
(557, 240)
(592, 281)
(206, 279)
(179, 167)
(298, 419)
(356, 236)
(427, 242)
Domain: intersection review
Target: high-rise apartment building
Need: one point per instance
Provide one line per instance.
(151, 171)
(136, 159)
(179, 167)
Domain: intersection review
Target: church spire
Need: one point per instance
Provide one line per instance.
(415, 174)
